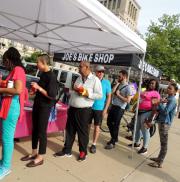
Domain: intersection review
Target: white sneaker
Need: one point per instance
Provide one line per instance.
(4, 172)
(62, 154)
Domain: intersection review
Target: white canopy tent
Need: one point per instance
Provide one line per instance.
(84, 26)
(67, 25)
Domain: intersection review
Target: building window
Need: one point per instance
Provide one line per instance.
(132, 11)
(110, 4)
(129, 7)
(105, 4)
(135, 15)
(118, 3)
(130, 14)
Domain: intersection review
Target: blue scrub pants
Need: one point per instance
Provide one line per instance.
(8, 130)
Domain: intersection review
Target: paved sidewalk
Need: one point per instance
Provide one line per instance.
(104, 166)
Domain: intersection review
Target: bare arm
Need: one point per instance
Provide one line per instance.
(108, 101)
(125, 99)
(40, 89)
(18, 87)
(115, 88)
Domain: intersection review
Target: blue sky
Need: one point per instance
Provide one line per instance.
(154, 9)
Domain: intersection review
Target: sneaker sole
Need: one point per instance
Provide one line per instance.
(92, 152)
(63, 156)
(143, 153)
(135, 147)
(5, 174)
(80, 160)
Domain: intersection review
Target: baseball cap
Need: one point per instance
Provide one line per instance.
(173, 80)
(100, 68)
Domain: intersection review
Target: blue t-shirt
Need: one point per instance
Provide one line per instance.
(106, 88)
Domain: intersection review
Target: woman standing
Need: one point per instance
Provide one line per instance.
(12, 106)
(166, 109)
(45, 90)
(145, 111)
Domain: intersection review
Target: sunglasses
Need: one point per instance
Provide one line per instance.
(100, 71)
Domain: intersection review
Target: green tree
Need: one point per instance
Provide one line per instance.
(33, 57)
(163, 45)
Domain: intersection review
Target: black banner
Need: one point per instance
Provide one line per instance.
(98, 58)
(128, 60)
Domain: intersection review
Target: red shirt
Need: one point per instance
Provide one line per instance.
(18, 73)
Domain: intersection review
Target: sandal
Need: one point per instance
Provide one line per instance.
(33, 164)
(28, 157)
(155, 159)
(155, 164)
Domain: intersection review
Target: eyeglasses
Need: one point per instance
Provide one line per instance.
(100, 71)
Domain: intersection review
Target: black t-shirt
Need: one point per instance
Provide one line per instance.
(48, 82)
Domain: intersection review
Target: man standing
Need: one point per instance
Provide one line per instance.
(100, 106)
(121, 96)
(87, 88)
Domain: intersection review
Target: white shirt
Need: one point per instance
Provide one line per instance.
(94, 88)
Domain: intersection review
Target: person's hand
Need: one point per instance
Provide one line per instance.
(35, 85)
(104, 113)
(78, 89)
(34, 88)
(155, 101)
(164, 100)
(84, 93)
(81, 91)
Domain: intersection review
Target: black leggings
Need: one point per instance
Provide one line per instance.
(40, 116)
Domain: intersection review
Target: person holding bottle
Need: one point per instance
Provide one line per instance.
(167, 110)
(86, 89)
(12, 105)
(147, 108)
(44, 100)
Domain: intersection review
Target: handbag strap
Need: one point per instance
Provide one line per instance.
(121, 87)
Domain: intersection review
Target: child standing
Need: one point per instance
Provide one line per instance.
(167, 108)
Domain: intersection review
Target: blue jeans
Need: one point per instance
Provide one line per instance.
(141, 130)
(8, 130)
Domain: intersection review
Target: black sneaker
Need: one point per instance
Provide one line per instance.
(135, 145)
(129, 138)
(110, 146)
(142, 151)
(62, 154)
(93, 149)
(109, 142)
(112, 141)
(82, 156)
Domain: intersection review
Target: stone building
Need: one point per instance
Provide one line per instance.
(126, 10)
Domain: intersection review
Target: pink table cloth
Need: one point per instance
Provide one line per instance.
(24, 127)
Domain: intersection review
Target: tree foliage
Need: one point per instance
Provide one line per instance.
(163, 45)
(33, 57)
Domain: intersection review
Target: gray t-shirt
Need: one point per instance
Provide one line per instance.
(124, 91)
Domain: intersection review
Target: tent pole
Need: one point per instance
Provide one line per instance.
(49, 48)
(136, 114)
(129, 72)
